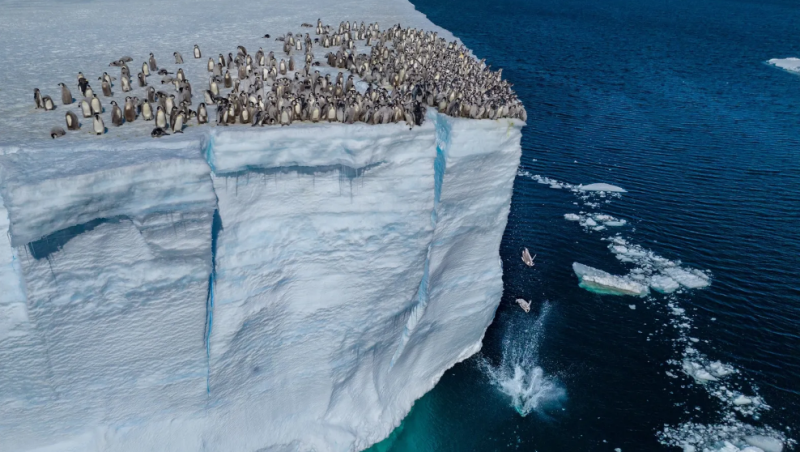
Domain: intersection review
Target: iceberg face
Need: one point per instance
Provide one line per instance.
(284, 289)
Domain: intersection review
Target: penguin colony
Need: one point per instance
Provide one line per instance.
(405, 71)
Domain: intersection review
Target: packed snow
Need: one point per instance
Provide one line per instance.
(232, 289)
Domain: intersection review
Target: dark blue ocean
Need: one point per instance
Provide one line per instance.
(672, 101)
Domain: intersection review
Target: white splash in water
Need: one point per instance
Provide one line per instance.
(518, 375)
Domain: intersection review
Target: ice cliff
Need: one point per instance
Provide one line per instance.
(280, 289)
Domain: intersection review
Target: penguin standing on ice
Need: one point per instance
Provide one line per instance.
(202, 113)
(48, 103)
(161, 118)
(177, 124)
(86, 109)
(116, 114)
(72, 121)
(197, 53)
(56, 132)
(37, 97)
(98, 127)
(152, 62)
(147, 111)
(178, 57)
(66, 95)
(130, 110)
(97, 107)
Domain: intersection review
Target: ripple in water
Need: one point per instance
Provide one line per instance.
(519, 375)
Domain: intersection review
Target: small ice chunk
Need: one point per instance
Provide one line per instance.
(590, 222)
(572, 217)
(720, 370)
(765, 443)
(697, 371)
(664, 284)
(602, 187)
(742, 400)
(603, 217)
(692, 279)
(598, 281)
(615, 223)
(632, 306)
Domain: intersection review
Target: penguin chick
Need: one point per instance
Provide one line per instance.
(66, 95)
(158, 132)
(98, 127)
(56, 132)
(48, 103)
(116, 114)
(72, 121)
(178, 58)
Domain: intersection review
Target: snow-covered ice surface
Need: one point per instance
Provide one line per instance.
(230, 289)
(788, 64)
(738, 428)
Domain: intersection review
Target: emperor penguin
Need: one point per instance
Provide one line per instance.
(98, 127)
(180, 75)
(227, 80)
(130, 110)
(197, 52)
(86, 109)
(116, 114)
(177, 124)
(72, 121)
(106, 88)
(169, 104)
(66, 95)
(94, 102)
(147, 111)
(151, 94)
(161, 118)
(202, 114)
(210, 65)
(178, 57)
(48, 103)
(152, 62)
(142, 80)
(88, 92)
(37, 97)
(56, 132)
(146, 69)
(158, 132)
(126, 84)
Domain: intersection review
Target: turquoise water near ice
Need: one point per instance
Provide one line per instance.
(671, 100)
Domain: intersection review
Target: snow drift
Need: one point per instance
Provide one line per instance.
(279, 289)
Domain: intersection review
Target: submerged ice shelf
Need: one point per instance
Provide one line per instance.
(279, 289)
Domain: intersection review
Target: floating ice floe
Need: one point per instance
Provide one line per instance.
(787, 64)
(602, 187)
(598, 281)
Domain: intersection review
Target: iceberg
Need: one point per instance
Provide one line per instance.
(787, 64)
(280, 288)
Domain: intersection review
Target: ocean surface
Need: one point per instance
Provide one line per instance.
(673, 102)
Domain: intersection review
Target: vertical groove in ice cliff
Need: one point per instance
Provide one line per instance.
(216, 226)
(439, 167)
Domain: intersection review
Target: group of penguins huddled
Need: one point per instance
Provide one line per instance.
(406, 70)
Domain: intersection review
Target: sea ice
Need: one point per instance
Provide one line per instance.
(602, 282)
(602, 187)
(789, 64)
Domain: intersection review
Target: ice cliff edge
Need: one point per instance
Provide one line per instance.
(281, 289)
